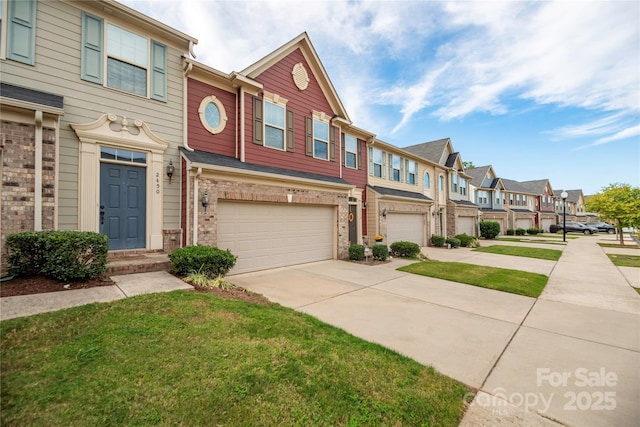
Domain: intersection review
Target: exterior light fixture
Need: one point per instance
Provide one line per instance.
(205, 200)
(564, 196)
(170, 170)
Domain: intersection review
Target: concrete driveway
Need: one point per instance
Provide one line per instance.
(509, 347)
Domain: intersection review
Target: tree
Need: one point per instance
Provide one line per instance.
(617, 203)
(468, 165)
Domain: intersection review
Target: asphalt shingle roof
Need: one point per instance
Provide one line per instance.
(30, 95)
(400, 193)
(477, 175)
(431, 150)
(213, 159)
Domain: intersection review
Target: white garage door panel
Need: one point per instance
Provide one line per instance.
(546, 223)
(269, 235)
(523, 223)
(465, 225)
(405, 227)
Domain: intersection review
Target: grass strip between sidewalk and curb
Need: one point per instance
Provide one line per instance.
(193, 358)
(631, 245)
(621, 260)
(519, 240)
(500, 279)
(523, 251)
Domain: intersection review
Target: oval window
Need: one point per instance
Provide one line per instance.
(212, 114)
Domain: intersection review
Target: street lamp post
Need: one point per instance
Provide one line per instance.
(564, 196)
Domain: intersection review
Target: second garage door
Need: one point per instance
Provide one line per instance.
(465, 225)
(546, 223)
(275, 235)
(523, 223)
(405, 227)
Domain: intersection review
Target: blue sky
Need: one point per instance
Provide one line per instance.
(537, 89)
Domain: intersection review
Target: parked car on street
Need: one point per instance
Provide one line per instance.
(577, 227)
(602, 226)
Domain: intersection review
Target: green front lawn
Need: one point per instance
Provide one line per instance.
(548, 254)
(532, 240)
(187, 358)
(625, 260)
(501, 279)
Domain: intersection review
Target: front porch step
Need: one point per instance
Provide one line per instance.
(141, 262)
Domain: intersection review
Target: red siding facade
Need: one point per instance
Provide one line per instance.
(200, 138)
(277, 80)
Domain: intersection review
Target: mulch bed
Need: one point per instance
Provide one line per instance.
(30, 285)
(40, 284)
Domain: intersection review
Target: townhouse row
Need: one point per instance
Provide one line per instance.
(109, 124)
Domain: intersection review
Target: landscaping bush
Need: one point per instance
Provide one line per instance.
(380, 252)
(61, 255)
(454, 242)
(489, 229)
(405, 249)
(511, 232)
(520, 231)
(356, 252)
(207, 260)
(533, 231)
(467, 241)
(26, 253)
(437, 241)
(554, 228)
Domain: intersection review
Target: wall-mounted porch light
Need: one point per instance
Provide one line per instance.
(205, 200)
(170, 170)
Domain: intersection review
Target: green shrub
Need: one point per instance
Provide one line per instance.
(533, 231)
(380, 252)
(454, 242)
(208, 260)
(61, 255)
(489, 229)
(511, 232)
(437, 241)
(405, 249)
(467, 241)
(356, 252)
(26, 252)
(520, 231)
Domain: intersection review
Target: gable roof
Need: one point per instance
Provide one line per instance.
(478, 174)
(303, 43)
(572, 195)
(515, 186)
(536, 186)
(432, 150)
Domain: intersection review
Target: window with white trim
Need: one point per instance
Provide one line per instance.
(441, 183)
(350, 151)
(427, 180)
(320, 139)
(412, 172)
(517, 200)
(497, 197)
(274, 125)
(463, 186)
(454, 182)
(377, 162)
(395, 168)
(511, 199)
(130, 62)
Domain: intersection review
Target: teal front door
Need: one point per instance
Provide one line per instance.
(123, 205)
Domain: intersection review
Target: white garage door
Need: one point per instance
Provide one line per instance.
(523, 223)
(546, 223)
(275, 235)
(405, 227)
(465, 225)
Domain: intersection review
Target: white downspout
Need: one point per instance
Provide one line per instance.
(37, 190)
(195, 207)
(56, 173)
(185, 134)
(242, 129)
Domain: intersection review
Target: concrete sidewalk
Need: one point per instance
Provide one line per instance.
(126, 286)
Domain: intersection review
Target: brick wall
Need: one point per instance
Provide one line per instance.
(233, 190)
(18, 181)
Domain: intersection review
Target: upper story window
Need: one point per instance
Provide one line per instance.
(212, 114)
(511, 199)
(454, 182)
(427, 180)
(20, 21)
(131, 63)
(524, 200)
(463, 187)
(376, 162)
(274, 125)
(517, 200)
(497, 197)
(441, 183)
(412, 172)
(320, 139)
(350, 151)
(395, 167)
(482, 197)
